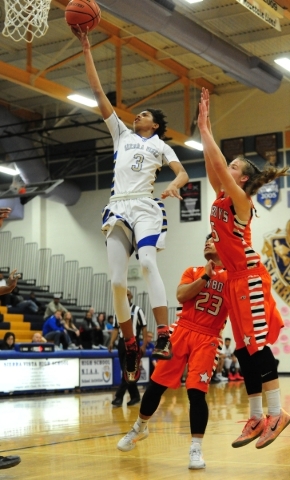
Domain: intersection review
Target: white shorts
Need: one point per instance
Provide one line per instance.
(143, 220)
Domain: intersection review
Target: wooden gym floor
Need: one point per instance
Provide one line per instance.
(74, 436)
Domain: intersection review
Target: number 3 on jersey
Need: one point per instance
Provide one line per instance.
(139, 160)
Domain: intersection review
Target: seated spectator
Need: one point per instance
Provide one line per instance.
(71, 329)
(230, 362)
(8, 341)
(91, 334)
(54, 331)
(40, 305)
(38, 338)
(109, 322)
(53, 306)
(101, 320)
(18, 302)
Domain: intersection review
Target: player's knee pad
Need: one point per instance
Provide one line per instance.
(198, 413)
(151, 398)
(250, 371)
(267, 364)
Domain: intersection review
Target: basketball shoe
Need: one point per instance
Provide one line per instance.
(274, 425)
(132, 369)
(8, 462)
(252, 430)
(128, 442)
(163, 347)
(196, 460)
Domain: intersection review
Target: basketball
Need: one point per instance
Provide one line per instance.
(85, 13)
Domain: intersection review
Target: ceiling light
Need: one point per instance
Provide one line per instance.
(193, 1)
(9, 169)
(83, 100)
(194, 144)
(283, 62)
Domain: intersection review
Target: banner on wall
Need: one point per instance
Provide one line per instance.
(266, 147)
(277, 250)
(190, 205)
(96, 372)
(232, 148)
(268, 194)
(39, 374)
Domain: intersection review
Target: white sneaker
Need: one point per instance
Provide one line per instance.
(128, 442)
(222, 378)
(95, 347)
(195, 457)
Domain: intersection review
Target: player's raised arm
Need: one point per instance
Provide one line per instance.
(104, 104)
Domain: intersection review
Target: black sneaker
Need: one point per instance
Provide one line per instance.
(133, 401)
(117, 402)
(132, 369)
(163, 348)
(8, 462)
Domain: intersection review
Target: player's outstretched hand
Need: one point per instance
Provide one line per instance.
(12, 279)
(209, 268)
(171, 191)
(81, 35)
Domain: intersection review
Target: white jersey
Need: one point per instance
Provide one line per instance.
(137, 159)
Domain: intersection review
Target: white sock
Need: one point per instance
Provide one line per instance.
(141, 423)
(274, 402)
(256, 406)
(196, 440)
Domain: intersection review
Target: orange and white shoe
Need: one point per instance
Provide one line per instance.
(252, 430)
(274, 425)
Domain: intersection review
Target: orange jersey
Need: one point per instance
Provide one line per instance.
(232, 237)
(206, 313)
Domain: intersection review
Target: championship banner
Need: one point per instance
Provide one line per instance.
(277, 250)
(268, 194)
(190, 205)
(232, 148)
(266, 147)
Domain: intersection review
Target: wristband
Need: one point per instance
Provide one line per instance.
(205, 277)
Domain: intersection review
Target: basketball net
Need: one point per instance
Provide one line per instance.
(25, 19)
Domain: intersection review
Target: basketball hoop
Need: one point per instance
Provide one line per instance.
(25, 19)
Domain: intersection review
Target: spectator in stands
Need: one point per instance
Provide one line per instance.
(37, 337)
(53, 306)
(54, 331)
(8, 341)
(19, 304)
(101, 320)
(71, 328)
(109, 322)
(91, 334)
(230, 362)
(40, 305)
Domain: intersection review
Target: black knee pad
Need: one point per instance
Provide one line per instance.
(251, 371)
(151, 398)
(198, 413)
(267, 364)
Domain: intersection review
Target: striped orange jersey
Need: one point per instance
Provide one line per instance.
(232, 236)
(206, 313)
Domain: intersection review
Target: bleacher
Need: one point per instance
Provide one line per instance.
(46, 274)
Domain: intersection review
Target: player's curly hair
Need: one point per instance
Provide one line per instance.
(158, 117)
(257, 177)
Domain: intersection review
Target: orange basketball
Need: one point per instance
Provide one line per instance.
(85, 13)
